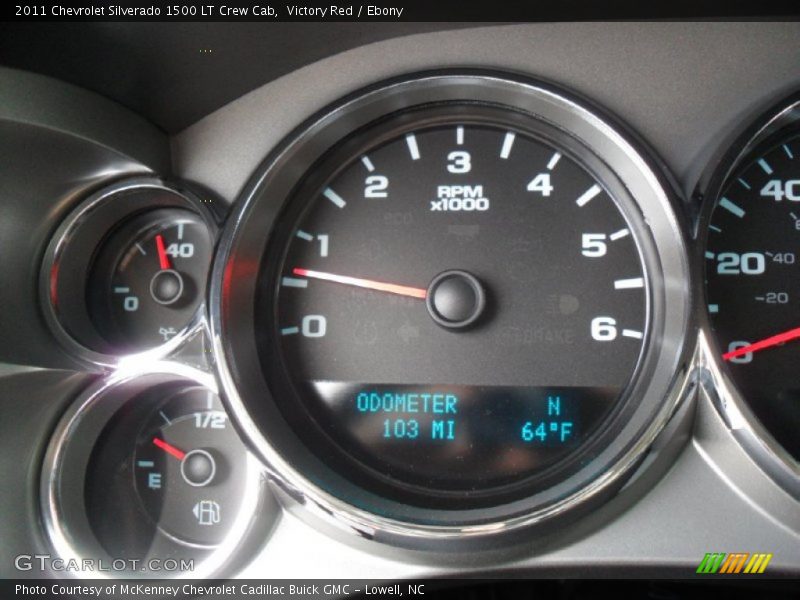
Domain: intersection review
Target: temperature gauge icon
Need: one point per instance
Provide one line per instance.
(189, 467)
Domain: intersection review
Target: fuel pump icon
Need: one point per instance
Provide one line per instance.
(207, 512)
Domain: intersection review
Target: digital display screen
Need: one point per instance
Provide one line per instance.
(456, 437)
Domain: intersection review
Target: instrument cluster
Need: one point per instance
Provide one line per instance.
(457, 305)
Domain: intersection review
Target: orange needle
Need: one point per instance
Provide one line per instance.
(163, 259)
(169, 448)
(786, 336)
(392, 288)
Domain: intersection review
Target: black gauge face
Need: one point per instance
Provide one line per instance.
(461, 303)
(168, 463)
(149, 278)
(753, 288)
(190, 467)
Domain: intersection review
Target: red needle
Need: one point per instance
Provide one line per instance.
(781, 338)
(392, 288)
(169, 448)
(163, 259)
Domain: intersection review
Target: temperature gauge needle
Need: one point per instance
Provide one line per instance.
(392, 288)
(163, 259)
(781, 338)
(169, 448)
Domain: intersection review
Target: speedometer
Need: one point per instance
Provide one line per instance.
(443, 302)
(750, 230)
(751, 261)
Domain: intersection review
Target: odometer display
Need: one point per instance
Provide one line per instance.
(753, 289)
(455, 303)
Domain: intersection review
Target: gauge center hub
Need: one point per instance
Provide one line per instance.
(166, 287)
(198, 468)
(455, 299)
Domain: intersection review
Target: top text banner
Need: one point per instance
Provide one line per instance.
(402, 11)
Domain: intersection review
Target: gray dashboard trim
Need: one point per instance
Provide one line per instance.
(31, 403)
(681, 86)
(43, 102)
(58, 143)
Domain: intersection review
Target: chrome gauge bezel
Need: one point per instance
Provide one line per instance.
(82, 221)
(244, 239)
(731, 405)
(66, 525)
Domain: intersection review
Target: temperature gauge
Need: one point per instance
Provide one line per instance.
(148, 279)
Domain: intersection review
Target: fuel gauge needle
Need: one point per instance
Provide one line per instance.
(781, 338)
(169, 448)
(370, 284)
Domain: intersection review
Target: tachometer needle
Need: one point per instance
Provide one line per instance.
(781, 338)
(163, 259)
(392, 288)
(169, 448)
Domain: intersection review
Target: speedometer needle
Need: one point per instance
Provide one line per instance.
(370, 284)
(169, 448)
(781, 338)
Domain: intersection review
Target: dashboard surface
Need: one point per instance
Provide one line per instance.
(211, 128)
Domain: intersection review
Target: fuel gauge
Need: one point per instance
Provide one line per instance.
(188, 467)
(146, 465)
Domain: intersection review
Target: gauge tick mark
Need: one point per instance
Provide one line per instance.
(334, 197)
(588, 195)
(618, 235)
(629, 284)
(508, 143)
(294, 282)
(632, 333)
(413, 149)
(731, 207)
(553, 161)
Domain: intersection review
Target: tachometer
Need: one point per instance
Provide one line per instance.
(462, 301)
(452, 300)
